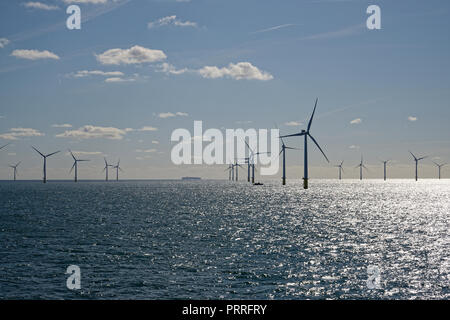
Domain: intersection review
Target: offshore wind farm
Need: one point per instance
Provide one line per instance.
(224, 150)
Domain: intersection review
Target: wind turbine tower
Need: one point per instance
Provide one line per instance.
(341, 169)
(106, 168)
(361, 166)
(75, 165)
(384, 167)
(117, 170)
(306, 134)
(439, 166)
(45, 161)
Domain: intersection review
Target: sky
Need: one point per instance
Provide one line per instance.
(139, 69)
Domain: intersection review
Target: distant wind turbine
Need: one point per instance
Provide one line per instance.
(15, 169)
(75, 165)
(361, 166)
(117, 167)
(384, 167)
(417, 162)
(283, 151)
(306, 134)
(106, 168)
(341, 169)
(439, 168)
(229, 169)
(45, 162)
(251, 159)
(236, 165)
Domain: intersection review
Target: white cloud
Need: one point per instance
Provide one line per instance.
(171, 20)
(356, 121)
(40, 5)
(86, 73)
(89, 132)
(3, 42)
(117, 79)
(241, 70)
(85, 153)
(412, 119)
(134, 55)
(34, 54)
(146, 151)
(155, 142)
(65, 125)
(16, 133)
(165, 115)
(274, 28)
(168, 68)
(148, 128)
(354, 147)
(292, 123)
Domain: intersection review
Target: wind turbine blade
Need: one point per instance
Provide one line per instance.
(342, 162)
(72, 167)
(18, 163)
(293, 135)
(38, 151)
(5, 146)
(121, 169)
(422, 158)
(52, 153)
(314, 140)
(413, 155)
(75, 159)
(248, 147)
(293, 148)
(312, 116)
(365, 167)
(342, 169)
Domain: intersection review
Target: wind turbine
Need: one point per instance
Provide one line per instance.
(384, 166)
(361, 166)
(439, 168)
(15, 169)
(229, 169)
(283, 151)
(45, 161)
(251, 159)
(306, 134)
(117, 170)
(75, 165)
(106, 168)
(417, 162)
(341, 169)
(236, 165)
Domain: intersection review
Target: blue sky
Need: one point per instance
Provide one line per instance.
(266, 61)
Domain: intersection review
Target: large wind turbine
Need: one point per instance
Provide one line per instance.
(15, 169)
(439, 168)
(341, 169)
(306, 134)
(117, 170)
(361, 166)
(384, 167)
(45, 161)
(75, 165)
(417, 162)
(106, 168)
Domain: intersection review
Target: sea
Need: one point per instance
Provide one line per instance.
(214, 239)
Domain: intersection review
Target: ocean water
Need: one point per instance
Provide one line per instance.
(225, 240)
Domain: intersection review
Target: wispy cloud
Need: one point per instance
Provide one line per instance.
(87, 73)
(293, 123)
(165, 115)
(65, 125)
(170, 20)
(40, 6)
(34, 54)
(274, 28)
(344, 32)
(3, 42)
(412, 119)
(356, 121)
(354, 146)
(90, 132)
